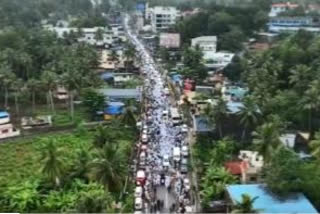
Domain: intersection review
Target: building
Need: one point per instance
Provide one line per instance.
(121, 94)
(266, 202)
(162, 18)
(278, 8)
(169, 40)
(111, 35)
(117, 78)
(206, 43)
(293, 24)
(217, 60)
(7, 130)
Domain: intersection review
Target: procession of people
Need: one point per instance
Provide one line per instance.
(162, 183)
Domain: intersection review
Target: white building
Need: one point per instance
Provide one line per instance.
(110, 35)
(6, 128)
(217, 60)
(278, 8)
(206, 43)
(162, 18)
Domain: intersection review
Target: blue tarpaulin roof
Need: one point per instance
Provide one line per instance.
(238, 92)
(4, 114)
(234, 107)
(114, 108)
(176, 77)
(269, 203)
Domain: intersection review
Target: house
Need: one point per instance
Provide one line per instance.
(189, 13)
(107, 63)
(4, 117)
(121, 94)
(293, 24)
(117, 78)
(61, 93)
(233, 92)
(36, 122)
(288, 140)
(7, 131)
(201, 124)
(6, 128)
(206, 43)
(162, 18)
(278, 8)
(247, 168)
(217, 60)
(266, 202)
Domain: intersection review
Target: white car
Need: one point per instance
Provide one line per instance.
(138, 192)
(138, 205)
(184, 128)
(166, 162)
(186, 183)
(144, 138)
(185, 151)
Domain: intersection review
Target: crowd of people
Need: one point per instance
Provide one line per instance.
(161, 166)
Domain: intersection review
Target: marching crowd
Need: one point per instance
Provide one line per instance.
(162, 152)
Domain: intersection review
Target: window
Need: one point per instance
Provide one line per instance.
(5, 131)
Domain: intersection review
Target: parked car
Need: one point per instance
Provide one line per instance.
(186, 183)
(185, 151)
(138, 192)
(184, 128)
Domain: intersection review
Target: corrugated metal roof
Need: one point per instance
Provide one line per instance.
(269, 203)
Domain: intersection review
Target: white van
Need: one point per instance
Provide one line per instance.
(175, 116)
(138, 205)
(185, 151)
(176, 154)
(144, 138)
(138, 192)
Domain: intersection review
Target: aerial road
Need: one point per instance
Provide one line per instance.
(162, 177)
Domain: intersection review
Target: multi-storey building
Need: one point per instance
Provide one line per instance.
(162, 18)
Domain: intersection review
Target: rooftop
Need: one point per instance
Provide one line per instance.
(121, 93)
(269, 203)
(4, 114)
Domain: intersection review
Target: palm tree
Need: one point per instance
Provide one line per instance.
(104, 136)
(219, 114)
(311, 100)
(245, 205)
(17, 88)
(214, 182)
(300, 77)
(33, 86)
(109, 168)
(53, 162)
(128, 118)
(249, 114)
(266, 138)
(7, 77)
(98, 36)
(129, 54)
(49, 82)
(80, 168)
(315, 145)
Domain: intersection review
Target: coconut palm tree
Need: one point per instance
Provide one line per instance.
(245, 205)
(266, 138)
(98, 36)
(49, 82)
(104, 136)
(7, 77)
(311, 100)
(109, 168)
(17, 88)
(129, 54)
(219, 114)
(53, 163)
(33, 86)
(249, 114)
(80, 168)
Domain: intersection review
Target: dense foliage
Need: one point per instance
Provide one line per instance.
(62, 173)
(231, 24)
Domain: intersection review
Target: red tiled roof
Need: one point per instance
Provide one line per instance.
(288, 4)
(236, 167)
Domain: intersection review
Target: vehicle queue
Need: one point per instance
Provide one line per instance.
(162, 151)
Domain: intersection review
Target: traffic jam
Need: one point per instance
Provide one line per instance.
(162, 178)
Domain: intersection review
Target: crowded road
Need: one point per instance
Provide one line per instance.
(162, 183)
